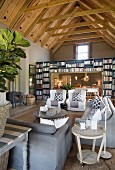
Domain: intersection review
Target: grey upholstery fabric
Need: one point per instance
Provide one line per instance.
(74, 104)
(54, 103)
(110, 129)
(45, 151)
(41, 128)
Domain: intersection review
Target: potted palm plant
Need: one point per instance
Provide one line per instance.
(67, 87)
(10, 54)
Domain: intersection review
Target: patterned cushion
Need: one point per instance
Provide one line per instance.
(96, 103)
(76, 96)
(95, 114)
(58, 96)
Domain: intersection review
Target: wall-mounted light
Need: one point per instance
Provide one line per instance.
(86, 77)
(75, 77)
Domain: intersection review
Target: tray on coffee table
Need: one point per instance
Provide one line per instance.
(52, 113)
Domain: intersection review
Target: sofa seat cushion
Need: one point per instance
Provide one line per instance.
(54, 103)
(74, 104)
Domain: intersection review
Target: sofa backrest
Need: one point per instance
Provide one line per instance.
(82, 91)
(40, 128)
(52, 93)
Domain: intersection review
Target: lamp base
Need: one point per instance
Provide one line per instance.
(106, 155)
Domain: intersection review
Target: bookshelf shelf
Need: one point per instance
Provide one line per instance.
(105, 65)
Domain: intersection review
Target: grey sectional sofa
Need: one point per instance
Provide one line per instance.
(47, 147)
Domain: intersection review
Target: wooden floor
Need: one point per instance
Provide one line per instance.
(25, 113)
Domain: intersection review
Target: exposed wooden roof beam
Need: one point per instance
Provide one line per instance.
(19, 14)
(84, 41)
(49, 4)
(1, 3)
(80, 37)
(77, 14)
(83, 6)
(64, 8)
(79, 31)
(54, 40)
(34, 22)
(111, 33)
(59, 22)
(106, 3)
(81, 24)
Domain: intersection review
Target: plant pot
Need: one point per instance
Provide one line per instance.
(4, 114)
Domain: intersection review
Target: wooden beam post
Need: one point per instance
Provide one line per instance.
(77, 14)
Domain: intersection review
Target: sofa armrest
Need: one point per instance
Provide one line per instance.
(40, 128)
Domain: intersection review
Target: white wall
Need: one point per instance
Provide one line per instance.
(102, 50)
(37, 53)
(34, 53)
(65, 52)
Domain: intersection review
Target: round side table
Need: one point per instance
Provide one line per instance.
(88, 156)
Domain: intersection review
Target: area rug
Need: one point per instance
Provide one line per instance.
(72, 163)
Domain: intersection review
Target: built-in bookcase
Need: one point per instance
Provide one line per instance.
(46, 80)
(107, 77)
(32, 79)
(106, 65)
(39, 80)
(113, 80)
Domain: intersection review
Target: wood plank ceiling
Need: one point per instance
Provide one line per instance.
(51, 23)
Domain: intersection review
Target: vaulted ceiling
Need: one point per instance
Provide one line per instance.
(52, 23)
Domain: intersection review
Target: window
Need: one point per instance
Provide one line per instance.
(82, 52)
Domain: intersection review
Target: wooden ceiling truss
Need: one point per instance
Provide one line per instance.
(52, 23)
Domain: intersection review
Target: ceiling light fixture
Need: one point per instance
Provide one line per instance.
(86, 77)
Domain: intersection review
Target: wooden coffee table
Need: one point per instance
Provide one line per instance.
(52, 113)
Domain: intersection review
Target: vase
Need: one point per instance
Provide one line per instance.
(4, 114)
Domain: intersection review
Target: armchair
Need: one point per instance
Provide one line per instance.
(56, 98)
(76, 100)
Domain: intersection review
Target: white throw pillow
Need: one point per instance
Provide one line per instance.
(60, 122)
(46, 121)
(97, 115)
(57, 122)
